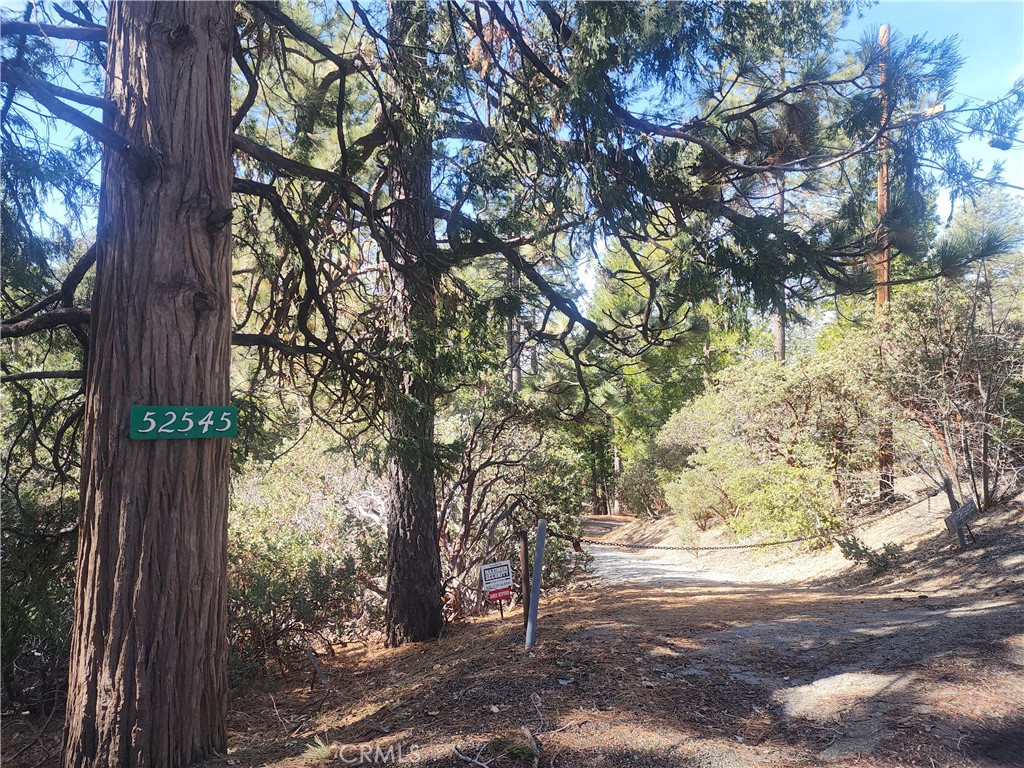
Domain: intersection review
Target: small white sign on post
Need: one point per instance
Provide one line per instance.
(496, 580)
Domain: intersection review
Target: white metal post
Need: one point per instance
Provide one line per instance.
(538, 564)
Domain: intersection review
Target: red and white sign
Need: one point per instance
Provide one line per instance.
(496, 580)
(499, 594)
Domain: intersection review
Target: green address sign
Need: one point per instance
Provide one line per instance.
(180, 422)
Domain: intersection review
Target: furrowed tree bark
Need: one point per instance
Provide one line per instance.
(514, 334)
(148, 678)
(886, 451)
(413, 552)
(779, 329)
(779, 310)
(414, 557)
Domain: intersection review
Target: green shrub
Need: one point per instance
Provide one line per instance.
(288, 588)
(41, 426)
(752, 498)
(780, 499)
(878, 561)
(37, 581)
(770, 449)
(697, 499)
(305, 553)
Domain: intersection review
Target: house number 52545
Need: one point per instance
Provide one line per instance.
(179, 422)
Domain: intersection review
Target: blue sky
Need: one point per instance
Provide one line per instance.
(991, 40)
(991, 35)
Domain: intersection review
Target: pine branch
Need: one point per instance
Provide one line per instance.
(288, 167)
(312, 295)
(138, 158)
(78, 273)
(804, 164)
(562, 30)
(68, 16)
(516, 34)
(275, 14)
(489, 244)
(94, 34)
(81, 98)
(270, 342)
(739, 113)
(39, 306)
(66, 294)
(55, 318)
(252, 85)
(558, 299)
(41, 375)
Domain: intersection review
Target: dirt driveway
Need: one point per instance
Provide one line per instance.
(879, 674)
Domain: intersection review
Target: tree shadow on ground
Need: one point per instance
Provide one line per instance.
(658, 675)
(692, 673)
(1001, 745)
(714, 675)
(993, 559)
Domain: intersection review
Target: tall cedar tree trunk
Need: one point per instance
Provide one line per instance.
(148, 679)
(414, 556)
